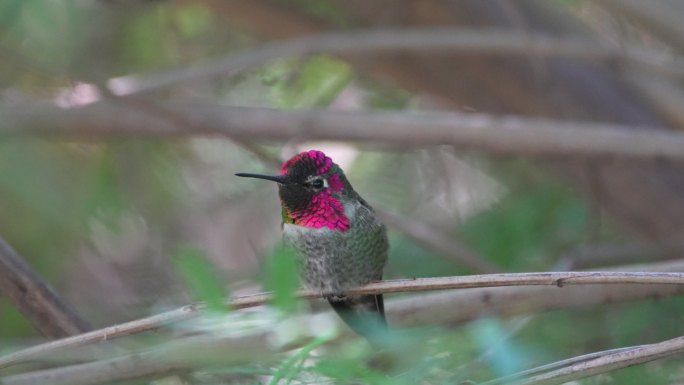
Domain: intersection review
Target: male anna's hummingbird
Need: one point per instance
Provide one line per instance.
(336, 235)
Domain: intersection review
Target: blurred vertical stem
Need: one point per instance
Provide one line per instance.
(200, 277)
(282, 278)
(288, 368)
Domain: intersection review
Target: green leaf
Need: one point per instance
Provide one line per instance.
(200, 277)
(282, 278)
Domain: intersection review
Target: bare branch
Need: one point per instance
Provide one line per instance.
(34, 297)
(607, 363)
(418, 40)
(554, 365)
(438, 308)
(393, 286)
(662, 18)
(558, 279)
(501, 135)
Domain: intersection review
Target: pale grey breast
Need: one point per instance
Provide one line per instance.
(332, 260)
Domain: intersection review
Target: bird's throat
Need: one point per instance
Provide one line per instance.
(323, 211)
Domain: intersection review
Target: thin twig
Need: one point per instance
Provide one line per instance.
(392, 286)
(35, 298)
(405, 39)
(607, 363)
(500, 135)
(437, 308)
(557, 364)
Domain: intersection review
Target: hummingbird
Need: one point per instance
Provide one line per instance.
(339, 241)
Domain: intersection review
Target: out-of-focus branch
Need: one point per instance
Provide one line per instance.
(405, 285)
(439, 242)
(203, 350)
(501, 135)
(165, 359)
(34, 297)
(665, 96)
(608, 254)
(102, 335)
(401, 40)
(662, 18)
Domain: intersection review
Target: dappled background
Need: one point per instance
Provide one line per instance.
(125, 226)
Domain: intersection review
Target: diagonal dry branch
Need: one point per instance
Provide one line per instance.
(165, 359)
(499, 135)
(417, 40)
(35, 298)
(554, 365)
(607, 363)
(392, 286)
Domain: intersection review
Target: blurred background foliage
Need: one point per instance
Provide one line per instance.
(129, 227)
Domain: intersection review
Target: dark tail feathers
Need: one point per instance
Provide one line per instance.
(365, 314)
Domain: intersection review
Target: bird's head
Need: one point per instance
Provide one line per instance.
(312, 190)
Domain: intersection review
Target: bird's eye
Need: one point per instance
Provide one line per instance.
(318, 183)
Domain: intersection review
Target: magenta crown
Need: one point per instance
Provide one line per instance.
(314, 161)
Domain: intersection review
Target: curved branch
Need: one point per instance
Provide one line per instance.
(607, 363)
(555, 365)
(501, 135)
(489, 41)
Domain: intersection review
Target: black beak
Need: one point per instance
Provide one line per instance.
(274, 178)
